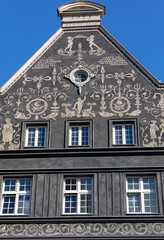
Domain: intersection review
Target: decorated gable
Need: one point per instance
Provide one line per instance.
(80, 76)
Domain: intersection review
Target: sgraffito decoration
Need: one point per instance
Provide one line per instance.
(104, 93)
(70, 50)
(16, 102)
(152, 133)
(77, 109)
(113, 61)
(155, 109)
(45, 63)
(115, 99)
(10, 133)
(56, 95)
(82, 230)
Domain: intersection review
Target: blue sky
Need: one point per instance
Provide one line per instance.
(25, 25)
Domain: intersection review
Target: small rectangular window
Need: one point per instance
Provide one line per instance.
(16, 196)
(78, 196)
(123, 134)
(36, 136)
(79, 135)
(142, 195)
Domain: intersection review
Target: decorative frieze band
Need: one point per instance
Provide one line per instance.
(81, 229)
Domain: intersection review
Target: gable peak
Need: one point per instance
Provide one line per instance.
(81, 13)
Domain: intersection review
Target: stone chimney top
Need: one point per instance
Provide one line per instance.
(81, 13)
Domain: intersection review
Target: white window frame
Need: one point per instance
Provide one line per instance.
(36, 136)
(16, 195)
(123, 133)
(140, 192)
(77, 193)
(79, 134)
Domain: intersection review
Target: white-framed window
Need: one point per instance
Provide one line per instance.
(123, 134)
(79, 135)
(16, 197)
(141, 195)
(36, 136)
(78, 196)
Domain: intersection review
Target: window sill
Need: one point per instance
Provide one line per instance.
(139, 214)
(77, 214)
(124, 145)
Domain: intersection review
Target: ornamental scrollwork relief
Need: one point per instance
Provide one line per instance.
(118, 98)
(38, 80)
(122, 75)
(156, 109)
(18, 98)
(81, 229)
(56, 95)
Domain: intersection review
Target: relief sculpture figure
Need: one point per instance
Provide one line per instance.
(153, 131)
(70, 44)
(7, 131)
(79, 105)
(93, 46)
(162, 131)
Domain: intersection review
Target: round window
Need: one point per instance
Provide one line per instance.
(80, 77)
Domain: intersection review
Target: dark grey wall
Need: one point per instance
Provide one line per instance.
(109, 193)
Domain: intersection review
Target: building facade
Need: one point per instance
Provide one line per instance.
(82, 139)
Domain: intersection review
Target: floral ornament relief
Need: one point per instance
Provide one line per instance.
(152, 133)
(122, 75)
(10, 135)
(55, 109)
(38, 80)
(119, 97)
(19, 97)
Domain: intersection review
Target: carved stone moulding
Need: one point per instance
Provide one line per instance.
(82, 230)
(81, 12)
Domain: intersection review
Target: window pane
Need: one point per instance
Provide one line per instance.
(150, 203)
(86, 184)
(85, 136)
(31, 137)
(41, 137)
(70, 204)
(24, 204)
(149, 183)
(118, 135)
(80, 77)
(70, 184)
(75, 136)
(10, 185)
(129, 134)
(133, 183)
(9, 205)
(86, 203)
(25, 185)
(134, 203)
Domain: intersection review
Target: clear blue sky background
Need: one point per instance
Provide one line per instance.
(25, 25)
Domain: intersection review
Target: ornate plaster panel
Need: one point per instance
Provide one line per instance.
(82, 229)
